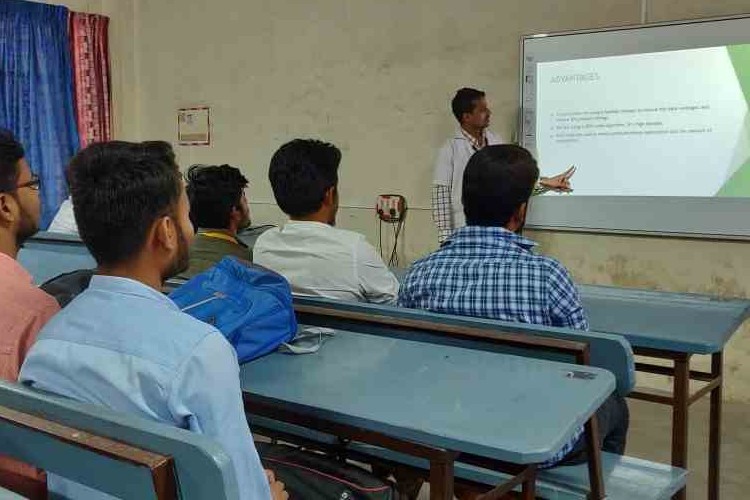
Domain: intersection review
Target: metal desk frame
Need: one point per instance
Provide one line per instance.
(680, 401)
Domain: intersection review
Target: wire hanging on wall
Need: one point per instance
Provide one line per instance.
(391, 210)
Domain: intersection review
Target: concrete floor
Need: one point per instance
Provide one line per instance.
(650, 438)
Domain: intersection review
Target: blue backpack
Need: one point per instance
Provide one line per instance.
(250, 305)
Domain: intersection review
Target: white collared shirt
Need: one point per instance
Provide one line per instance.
(450, 165)
(64, 221)
(323, 261)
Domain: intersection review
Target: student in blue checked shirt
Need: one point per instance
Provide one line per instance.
(486, 269)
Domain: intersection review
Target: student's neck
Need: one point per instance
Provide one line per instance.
(476, 133)
(135, 271)
(316, 217)
(8, 244)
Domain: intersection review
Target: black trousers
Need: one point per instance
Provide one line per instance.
(614, 419)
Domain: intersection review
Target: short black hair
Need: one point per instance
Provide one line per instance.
(465, 101)
(11, 152)
(301, 172)
(497, 180)
(213, 192)
(119, 189)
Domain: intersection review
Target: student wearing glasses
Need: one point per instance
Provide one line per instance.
(24, 308)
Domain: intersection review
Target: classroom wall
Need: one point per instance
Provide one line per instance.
(375, 78)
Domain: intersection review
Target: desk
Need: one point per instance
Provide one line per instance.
(47, 255)
(460, 401)
(674, 327)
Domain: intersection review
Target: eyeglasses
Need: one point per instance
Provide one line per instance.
(35, 183)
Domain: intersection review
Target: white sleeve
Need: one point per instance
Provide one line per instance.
(377, 282)
(206, 395)
(443, 174)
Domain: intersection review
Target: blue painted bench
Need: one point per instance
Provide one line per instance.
(122, 455)
(624, 477)
(46, 255)
(9, 495)
(608, 351)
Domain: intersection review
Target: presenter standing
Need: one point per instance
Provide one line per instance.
(470, 108)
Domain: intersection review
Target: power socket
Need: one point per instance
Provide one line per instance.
(391, 207)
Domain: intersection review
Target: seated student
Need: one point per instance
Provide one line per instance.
(218, 209)
(24, 308)
(64, 221)
(122, 343)
(317, 258)
(487, 269)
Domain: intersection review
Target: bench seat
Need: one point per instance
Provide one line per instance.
(625, 478)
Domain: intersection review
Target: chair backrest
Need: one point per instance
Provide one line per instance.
(122, 455)
(46, 255)
(611, 352)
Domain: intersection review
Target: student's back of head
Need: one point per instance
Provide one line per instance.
(217, 197)
(129, 198)
(497, 184)
(316, 257)
(304, 178)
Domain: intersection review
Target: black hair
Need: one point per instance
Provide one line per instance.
(301, 172)
(119, 189)
(465, 101)
(214, 191)
(497, 180)
(11, 152)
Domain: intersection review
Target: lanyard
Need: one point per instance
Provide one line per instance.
(219, 236)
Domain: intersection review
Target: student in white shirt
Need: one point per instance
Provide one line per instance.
(317, 258)
(64, 221)
(470, 108)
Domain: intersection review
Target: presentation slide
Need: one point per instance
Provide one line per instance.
(656, 124)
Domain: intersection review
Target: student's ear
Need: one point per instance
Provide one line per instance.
(235, 213)
(518, 219)
(329, 199)
(522, 212)
(165, 233)
(8, 209)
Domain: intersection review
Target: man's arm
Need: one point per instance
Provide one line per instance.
(206, 395)
(442, 203)
(442, 211)
(377, 282)
(565, 305)
(559, 183)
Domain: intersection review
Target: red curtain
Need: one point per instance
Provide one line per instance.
(89, 42)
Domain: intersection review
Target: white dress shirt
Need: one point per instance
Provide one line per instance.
(320, 260)
(64, 221)
(449, 170)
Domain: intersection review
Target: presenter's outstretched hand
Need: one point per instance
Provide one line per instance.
(278, 490)
(560, 182)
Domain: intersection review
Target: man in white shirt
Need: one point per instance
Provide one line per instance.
(64, 221)
(317, 258)
(470, 108)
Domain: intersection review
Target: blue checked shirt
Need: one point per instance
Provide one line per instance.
(490, 272)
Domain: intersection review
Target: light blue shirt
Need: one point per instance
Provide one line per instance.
(124, 345)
